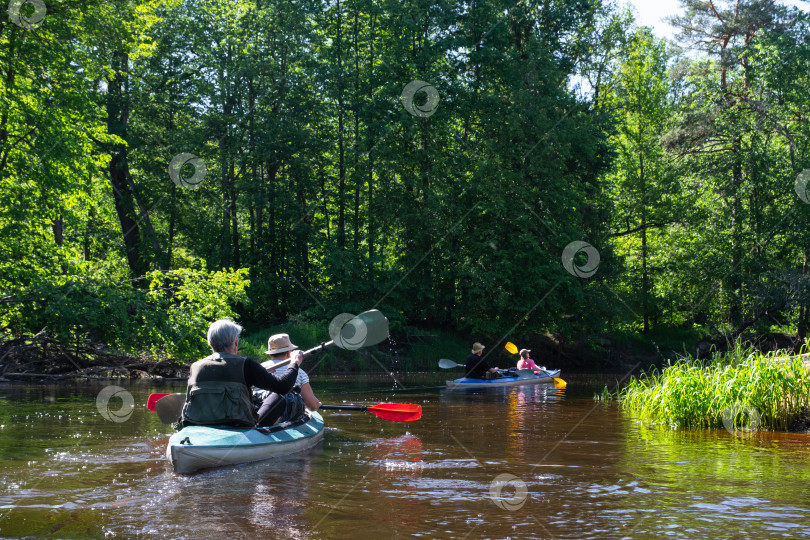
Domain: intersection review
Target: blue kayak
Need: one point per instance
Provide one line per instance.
(201, 447)
(466, 382)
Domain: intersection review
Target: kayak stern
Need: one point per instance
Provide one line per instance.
(202, 447)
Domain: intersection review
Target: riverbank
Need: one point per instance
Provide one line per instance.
(40, 358)
(410, 349)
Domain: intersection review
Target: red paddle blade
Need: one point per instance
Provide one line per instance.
(154, 398)
(397, 412)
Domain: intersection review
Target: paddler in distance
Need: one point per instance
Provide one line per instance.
(527, 363)
(477, 367)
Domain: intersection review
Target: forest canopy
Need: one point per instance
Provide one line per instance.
(492, 167)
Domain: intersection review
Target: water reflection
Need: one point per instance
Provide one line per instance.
(590, 472)
(707, 484)
(525, 408)
(398, 455)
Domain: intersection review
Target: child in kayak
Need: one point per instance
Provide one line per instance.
(527, 363)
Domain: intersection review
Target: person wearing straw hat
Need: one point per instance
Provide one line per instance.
(477, 367)
(273, 406)
(527, 363)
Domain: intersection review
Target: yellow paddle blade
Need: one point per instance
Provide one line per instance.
(559, 383)
(511, 347)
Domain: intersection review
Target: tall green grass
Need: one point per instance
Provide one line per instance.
(738, 383)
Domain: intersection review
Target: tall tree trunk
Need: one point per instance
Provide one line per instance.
(804, 310)
(144, 216)
(304, 224)
(117, 122)
(735, 276)
(172, 222)
(89, 225)
(260, 208)
(234, 215)
(225, 239)
(272, 170)
(341, 150)
(325, 203)
(645, 286)
(357, 178)
(58, 230)
(372, 240)
(10, 74)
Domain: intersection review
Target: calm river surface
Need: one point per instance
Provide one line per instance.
(523, 462)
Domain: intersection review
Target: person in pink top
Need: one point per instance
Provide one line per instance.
(527, 363)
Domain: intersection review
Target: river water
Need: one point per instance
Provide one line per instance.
(522, 462)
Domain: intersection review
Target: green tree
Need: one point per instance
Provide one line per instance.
(643, 186)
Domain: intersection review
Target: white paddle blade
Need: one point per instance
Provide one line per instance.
(444, 363)
(352, 332)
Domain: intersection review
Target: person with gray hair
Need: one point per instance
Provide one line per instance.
(220, 385)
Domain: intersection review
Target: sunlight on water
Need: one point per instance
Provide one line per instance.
(536, 461)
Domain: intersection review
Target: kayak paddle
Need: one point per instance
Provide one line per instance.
(153, 398)
(394, 412)
(170, 406)
(444, 363)
(512, 348)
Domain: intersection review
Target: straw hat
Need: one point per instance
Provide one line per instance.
(477, 348)
(279, 343)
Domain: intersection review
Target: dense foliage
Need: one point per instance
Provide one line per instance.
(328, 174)
(166, 313)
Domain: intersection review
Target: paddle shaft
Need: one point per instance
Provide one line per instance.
(344, 407)
(319, 348)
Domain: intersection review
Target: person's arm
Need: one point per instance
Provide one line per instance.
(310, 400)
(256, 375)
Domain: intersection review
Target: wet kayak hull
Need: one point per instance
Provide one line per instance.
(202, 447)
(465, 382)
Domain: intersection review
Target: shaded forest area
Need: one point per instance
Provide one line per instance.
(540, 171)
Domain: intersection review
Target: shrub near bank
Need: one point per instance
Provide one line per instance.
(163, 313)
(740, 383)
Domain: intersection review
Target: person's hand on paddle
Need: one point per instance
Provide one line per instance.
(297, 357)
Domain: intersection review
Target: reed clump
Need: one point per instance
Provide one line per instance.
(739, 387)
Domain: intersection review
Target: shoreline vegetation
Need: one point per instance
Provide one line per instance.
(45, 358)
(742, 390)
